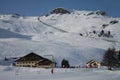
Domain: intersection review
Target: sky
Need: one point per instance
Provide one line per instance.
(43, 7)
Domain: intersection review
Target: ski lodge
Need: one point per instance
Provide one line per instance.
(34, 60)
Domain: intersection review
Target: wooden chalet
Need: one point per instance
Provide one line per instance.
(93, 64)
(34, 60)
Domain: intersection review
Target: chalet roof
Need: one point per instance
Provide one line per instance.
(91, 61)
(31, 57)
(45, 62)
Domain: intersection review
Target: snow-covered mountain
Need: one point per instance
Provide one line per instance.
(75, 36)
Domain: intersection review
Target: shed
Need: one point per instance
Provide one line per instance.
(93, 64)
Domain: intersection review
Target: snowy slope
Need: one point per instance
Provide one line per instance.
(59, 74)
(8, 34)
(58, 34)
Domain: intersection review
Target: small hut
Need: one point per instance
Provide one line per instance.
(93, 64)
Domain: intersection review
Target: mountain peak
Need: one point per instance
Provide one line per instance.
(60, 10)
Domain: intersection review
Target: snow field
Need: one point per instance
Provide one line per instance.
(59, 74)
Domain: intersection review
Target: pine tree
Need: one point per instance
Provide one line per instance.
(65, 63)
(119, 55)
(119, 58)
(109, 58)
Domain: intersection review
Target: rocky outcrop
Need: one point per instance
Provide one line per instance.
(60, 11)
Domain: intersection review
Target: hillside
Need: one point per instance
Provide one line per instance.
(74, 36)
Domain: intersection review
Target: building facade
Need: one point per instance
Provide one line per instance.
(34, 60)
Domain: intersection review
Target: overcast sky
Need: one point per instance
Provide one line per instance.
(42, 7)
